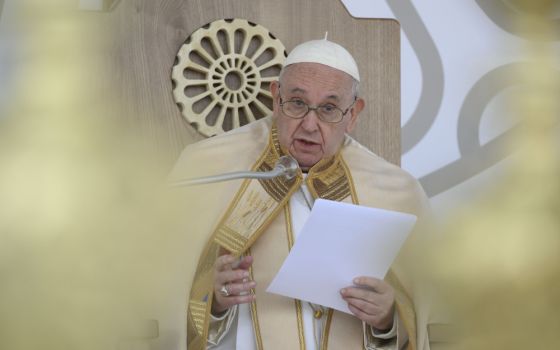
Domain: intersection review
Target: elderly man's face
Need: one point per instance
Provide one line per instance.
(310, 139)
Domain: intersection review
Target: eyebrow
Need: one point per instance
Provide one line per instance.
(302, 91)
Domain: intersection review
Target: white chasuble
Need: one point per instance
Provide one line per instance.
(262, 218)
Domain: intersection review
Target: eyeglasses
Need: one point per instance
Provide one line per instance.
(297, 109)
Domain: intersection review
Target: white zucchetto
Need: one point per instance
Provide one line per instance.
(324, 52)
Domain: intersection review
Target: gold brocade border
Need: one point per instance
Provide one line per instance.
(202, 288)
(325, 340)
(331, 184)
(353, 192)
(331, 179)
(290, 232)
(275, 187)
(254, 315)
(404, 320)
(234, 241)
(255, 235)
(275, 141)
(299, 311)
(222, 229)
(403, 308)
(230, 239)
(201, 295)
(198, 311)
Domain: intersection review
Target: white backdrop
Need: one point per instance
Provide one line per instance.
(457, 59)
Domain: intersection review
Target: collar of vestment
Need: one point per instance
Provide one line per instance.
(257, 202)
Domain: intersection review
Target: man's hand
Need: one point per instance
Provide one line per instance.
(372, 300)
(231, 283)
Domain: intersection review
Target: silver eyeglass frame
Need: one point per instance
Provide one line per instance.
(316, 109)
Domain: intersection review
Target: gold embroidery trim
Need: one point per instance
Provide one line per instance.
(326, 330)
(299, 312)
(403, 309)
(330, 182)
(200, 298)
(333, 187)
(278, 186)
(273, 214)
(353, 192)
(254, 315)
(287, 218)
(301, 335)
(235, 241)
(275, 187)
(198, 313)
(221, 226)
(229, 239)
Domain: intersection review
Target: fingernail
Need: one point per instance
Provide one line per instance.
(357, 281)
(343, 291)
(245, 273)
(235, 264)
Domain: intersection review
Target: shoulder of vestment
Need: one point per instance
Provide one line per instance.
(236, 150)
(379, 183)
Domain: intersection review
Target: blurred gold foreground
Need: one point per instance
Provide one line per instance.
(90, 253)
(87, 254)
(496, 263)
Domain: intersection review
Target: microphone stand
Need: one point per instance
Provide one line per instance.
(285, 166)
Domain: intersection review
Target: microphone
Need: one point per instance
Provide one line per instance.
(285, 166)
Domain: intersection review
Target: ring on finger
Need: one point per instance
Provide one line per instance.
(224, 291)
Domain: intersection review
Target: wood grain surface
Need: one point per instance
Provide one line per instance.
(143, 37)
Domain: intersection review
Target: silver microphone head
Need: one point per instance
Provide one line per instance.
(288, 165)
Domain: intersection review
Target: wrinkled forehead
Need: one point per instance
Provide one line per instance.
(309, 77)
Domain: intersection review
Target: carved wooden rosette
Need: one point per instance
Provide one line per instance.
(222, 74)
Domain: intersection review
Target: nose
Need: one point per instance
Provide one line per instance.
(310, 122)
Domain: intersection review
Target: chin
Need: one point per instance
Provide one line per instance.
(306, 160)
(306, 165)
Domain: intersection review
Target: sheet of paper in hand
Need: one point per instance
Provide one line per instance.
(339, 242)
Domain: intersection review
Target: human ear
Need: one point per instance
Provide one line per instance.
(274, 89)
(354, 112)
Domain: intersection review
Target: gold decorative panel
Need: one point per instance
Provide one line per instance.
(222, 74)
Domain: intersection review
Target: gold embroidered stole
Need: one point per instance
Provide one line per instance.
(256, 204)
(278, 321)
(258, 222)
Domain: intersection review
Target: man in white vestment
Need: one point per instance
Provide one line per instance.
(315, 105)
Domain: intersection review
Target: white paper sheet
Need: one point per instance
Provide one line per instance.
(339, 242)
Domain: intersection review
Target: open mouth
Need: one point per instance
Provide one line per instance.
(306, 144)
